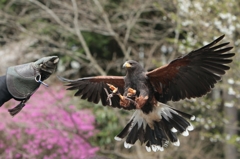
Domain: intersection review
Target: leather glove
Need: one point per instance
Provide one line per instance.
(23, 80)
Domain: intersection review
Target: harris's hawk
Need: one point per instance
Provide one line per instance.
(154, 123)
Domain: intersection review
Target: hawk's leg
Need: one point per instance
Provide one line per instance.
(141, 100)
(124, 101)
(131, 92)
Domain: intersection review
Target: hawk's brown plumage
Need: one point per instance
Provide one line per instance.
(155, 123)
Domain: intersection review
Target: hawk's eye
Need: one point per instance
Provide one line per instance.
(131, 63)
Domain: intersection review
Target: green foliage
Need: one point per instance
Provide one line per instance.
(3, 3)
(99, 45)
(107, 122)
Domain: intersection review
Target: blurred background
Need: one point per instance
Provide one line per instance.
(96, 37)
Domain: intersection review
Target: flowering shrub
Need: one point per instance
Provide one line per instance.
(47, 127)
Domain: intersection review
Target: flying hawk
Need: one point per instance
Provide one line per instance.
(154, 123)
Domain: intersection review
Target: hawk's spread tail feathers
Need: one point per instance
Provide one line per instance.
(157, 128)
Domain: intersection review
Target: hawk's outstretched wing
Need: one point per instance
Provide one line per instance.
(192, 75)
(95, 89)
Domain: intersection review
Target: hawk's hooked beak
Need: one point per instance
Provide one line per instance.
(127, 65)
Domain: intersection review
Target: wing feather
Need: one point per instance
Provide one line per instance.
(94, 89)
(191, 75)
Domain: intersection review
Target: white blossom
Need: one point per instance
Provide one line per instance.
(229, 104)
(231, 91)
(230, 81)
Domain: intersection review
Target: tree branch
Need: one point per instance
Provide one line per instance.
(83, 42)
(112, 32)
(53, 15)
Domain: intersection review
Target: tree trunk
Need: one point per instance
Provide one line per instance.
(230, 113)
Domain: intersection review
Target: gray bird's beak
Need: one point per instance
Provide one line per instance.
(127, 65)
